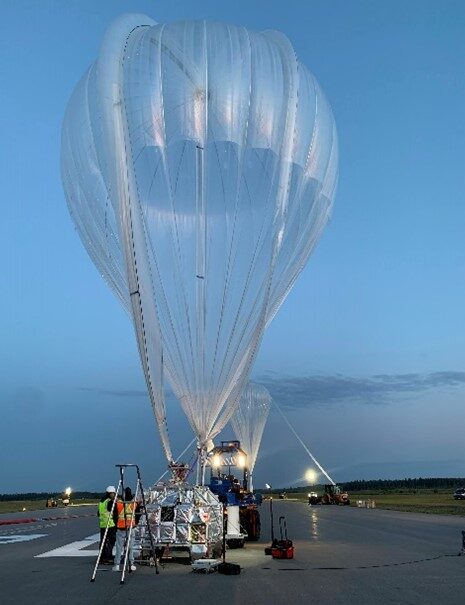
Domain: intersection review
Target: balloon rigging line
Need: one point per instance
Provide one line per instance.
(177, 459)
(292, 429)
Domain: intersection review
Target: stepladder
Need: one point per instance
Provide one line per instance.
(127, 514)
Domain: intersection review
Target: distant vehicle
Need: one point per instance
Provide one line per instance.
(283, 496)
(66, 496)
(314, 498)
(459, 494)
(333, 495)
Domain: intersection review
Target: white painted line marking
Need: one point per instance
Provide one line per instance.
(73, 549)
(11, 539)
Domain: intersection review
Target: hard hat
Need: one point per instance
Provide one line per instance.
(111, 489)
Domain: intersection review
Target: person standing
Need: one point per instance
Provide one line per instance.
(105, 518)
(126, 515)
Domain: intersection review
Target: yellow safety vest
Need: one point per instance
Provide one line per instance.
(104, 514)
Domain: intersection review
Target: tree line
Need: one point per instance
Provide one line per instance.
(386, 484)
(44, 495)
(418, 483)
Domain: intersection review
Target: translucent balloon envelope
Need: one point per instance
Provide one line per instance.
(199, 162)
(248, 421)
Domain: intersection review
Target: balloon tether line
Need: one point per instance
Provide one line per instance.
(292, 429)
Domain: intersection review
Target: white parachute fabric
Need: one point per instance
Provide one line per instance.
(249, 419)
(216, 152)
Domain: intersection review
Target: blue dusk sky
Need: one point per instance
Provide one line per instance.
(367, 354)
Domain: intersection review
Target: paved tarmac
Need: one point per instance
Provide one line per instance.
(343, 555)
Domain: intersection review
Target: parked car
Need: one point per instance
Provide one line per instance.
(459, 494)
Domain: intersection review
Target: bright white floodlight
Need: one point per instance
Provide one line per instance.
(216, 461)
(311, 476)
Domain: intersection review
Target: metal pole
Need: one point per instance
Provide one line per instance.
(224, 533)
(271, 519)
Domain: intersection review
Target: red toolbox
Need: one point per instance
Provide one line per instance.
(282, 553)
(283, 548)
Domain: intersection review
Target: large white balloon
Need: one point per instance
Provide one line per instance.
(199, 162)
(248, 422)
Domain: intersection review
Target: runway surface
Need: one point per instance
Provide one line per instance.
(343, 555)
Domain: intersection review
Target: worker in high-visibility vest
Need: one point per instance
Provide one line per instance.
(126, 515)
(105, 518)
